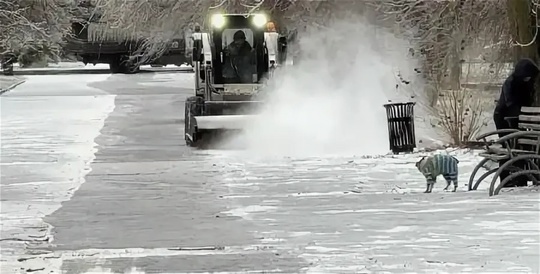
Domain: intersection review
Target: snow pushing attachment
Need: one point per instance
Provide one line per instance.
(231, 62)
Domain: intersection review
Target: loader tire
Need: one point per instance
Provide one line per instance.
(193, 107)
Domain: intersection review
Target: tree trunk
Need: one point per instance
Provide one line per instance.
(523, 28)
(457, 37)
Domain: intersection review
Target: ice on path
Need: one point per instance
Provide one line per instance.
(174, 80)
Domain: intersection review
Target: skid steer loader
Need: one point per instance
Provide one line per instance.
(231, 63)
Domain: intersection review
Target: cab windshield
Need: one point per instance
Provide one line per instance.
(239, 58)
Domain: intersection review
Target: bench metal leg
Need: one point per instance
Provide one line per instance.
(506, 165)
(475, 170)
(530, 174)
(483, 177)
(534, 166)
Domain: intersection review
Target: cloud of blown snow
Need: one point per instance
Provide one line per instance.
(331, 101)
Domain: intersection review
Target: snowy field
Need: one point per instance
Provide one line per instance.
(47, 136)
(9, 82)
(80, 65)
(63, 66)
(369, 215)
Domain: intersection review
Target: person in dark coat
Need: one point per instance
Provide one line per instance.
(238, 67)
(517, 91)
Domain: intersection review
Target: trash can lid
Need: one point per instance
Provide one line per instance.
(399, 104)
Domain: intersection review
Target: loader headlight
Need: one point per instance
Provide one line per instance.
(260, 20)
(218, 21)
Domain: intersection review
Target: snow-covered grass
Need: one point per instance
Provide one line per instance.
(368, 214)
(377, 174)
(80, 65)
(63, 66)
(47, 146)
(8, 81)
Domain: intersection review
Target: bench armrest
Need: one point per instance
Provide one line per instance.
(519, 134)
(496, 132)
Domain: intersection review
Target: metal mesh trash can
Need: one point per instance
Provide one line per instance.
(401, 127)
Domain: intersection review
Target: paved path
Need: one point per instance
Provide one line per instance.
(145, 190)
(142, 202)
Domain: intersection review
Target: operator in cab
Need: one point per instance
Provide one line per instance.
(238, 65)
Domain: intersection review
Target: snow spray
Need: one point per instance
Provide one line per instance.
(330, 102)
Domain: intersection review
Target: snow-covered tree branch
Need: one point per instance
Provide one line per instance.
(155, 23)
(447, 32)
(33, 27)
(448, 35)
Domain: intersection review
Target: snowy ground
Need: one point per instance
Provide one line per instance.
(64, 65)
(80, 65)
(9, 82)
(362, 215)
(48, 129)
(110, 149)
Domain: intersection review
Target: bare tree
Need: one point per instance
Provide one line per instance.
(155, 23)
(522, 14)
(462, 113)
(448, 35)
(523, 19)
(33, 28)
(445, 32)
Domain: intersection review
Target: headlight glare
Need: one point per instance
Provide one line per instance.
(260, 20)
(218, 21)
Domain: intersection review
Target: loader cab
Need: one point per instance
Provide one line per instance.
(239, 48)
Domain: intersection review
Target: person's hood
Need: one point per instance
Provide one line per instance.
(525, 68)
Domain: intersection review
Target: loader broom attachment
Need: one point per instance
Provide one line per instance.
(206, 125)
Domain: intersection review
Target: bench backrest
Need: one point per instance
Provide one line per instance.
(530, 120)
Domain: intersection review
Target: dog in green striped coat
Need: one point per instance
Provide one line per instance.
(433, 166)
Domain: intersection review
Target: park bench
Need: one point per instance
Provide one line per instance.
(522, 144)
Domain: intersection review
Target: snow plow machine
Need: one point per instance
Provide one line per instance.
(231, 63)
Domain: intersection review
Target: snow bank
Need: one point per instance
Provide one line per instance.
(63, 66)
(47, 147)
(7, 82)
(67, 87)
(331, 101)
(80, 65)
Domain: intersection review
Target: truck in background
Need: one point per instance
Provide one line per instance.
(93, 42)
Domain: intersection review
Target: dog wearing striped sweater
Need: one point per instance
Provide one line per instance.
(433, 166)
